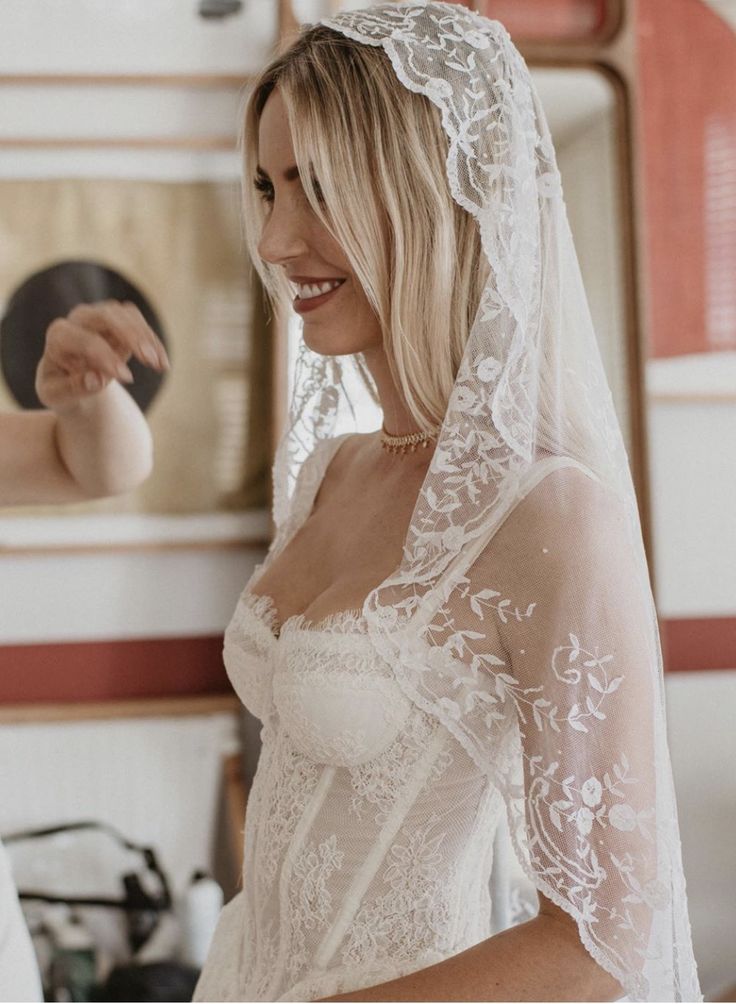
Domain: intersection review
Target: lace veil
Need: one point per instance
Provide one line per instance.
(521, 614)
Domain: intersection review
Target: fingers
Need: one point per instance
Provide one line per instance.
(78, 351)
(64, 389)
(124, 327)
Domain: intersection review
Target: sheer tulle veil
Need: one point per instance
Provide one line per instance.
(526, 529)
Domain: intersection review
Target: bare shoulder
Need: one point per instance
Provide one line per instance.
(345, 456)
(565, 502)
(564, 524)
(353, 447)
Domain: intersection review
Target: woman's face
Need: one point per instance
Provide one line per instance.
(339, 319)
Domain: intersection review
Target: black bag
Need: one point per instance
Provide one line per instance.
(152, 981)
(142, 908)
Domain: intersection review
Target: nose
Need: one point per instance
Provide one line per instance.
(281, 238)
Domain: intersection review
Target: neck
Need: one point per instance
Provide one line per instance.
(397, 419)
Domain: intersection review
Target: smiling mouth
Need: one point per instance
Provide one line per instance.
(311, 290)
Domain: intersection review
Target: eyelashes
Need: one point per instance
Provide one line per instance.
(318, 191)
(265, 189)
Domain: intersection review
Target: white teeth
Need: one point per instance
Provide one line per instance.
(306, 291)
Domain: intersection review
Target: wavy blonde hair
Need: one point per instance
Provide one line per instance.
(371, 156)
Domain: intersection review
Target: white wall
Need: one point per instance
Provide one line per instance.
(692, 446)
(586, 153)
(106, 597)
(87, 37)
(700, 710)
(137, 36)
(134, 585)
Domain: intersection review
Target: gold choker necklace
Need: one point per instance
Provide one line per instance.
(400, 444)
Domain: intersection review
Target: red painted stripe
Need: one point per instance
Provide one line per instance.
(698, 643)
(112, 670)
(178, 667)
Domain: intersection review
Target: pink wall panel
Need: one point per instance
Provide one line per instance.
(547, 20)
(687, 111)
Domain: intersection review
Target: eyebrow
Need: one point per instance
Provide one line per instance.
(290, 174)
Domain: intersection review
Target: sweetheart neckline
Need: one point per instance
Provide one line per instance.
(264, 608)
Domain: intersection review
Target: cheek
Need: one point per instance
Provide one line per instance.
(363, 317)
(359, 301)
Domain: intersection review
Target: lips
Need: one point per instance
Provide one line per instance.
(313, 294)
(306, 287)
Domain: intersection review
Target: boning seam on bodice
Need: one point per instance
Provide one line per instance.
(363, 877)
(488, 811)
(303, 827)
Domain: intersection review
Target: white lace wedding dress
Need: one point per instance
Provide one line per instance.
(369, 830)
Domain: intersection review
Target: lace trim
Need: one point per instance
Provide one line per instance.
(263, 609)
(351, 621)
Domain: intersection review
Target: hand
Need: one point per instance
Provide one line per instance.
(90, 347)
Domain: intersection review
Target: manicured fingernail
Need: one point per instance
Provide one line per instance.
(91, 381)
(124, 373)
(149, 355)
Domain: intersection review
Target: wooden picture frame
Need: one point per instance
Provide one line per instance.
(242, 394)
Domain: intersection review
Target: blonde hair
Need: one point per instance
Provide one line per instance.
(377, 152)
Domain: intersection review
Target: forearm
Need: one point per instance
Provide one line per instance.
(104, 443)
(535, 961)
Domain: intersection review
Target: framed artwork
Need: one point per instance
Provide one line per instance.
(155, 219)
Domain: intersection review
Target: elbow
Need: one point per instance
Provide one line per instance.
(143, 466)
(121, 476)
(126, 478)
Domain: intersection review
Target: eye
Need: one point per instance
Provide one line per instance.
(264, 188)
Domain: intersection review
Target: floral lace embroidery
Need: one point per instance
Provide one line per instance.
(380, 781)
(310, 900)
(294, 778)
(412, 918)
(336, 698)
(412, 915)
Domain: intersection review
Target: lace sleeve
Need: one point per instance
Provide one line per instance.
(544, 668)
(582, 695)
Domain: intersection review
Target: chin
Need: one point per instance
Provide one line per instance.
(328, 340)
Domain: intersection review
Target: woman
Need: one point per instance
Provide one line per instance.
(453, 628)
(91, 441)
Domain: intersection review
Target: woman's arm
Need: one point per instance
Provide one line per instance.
(541, 960)
(93, 440)
(579, 674)
(98, 447)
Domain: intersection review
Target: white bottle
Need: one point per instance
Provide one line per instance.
(199, 912)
